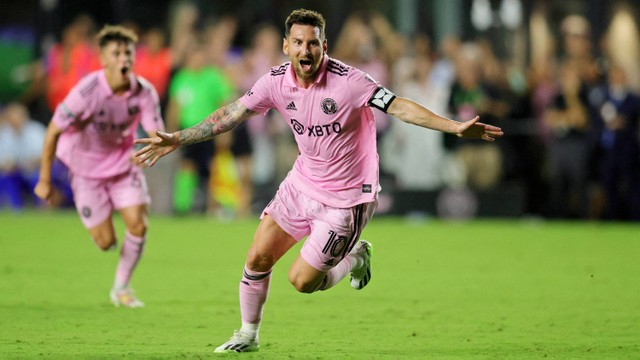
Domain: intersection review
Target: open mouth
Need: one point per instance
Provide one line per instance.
(124, 70)
(306, 64)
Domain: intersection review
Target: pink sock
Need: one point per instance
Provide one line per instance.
(337, 273)
(254, 288)
(131, 252)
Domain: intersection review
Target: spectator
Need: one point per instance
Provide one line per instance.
(368, 42)
(616, 122)
(219, 34)
(542, 88)
(577, 48)
(195, 91)
(482, 162)
(231, 189)
(20, 149)
(70, 59)
(444, 72)
(183, 31)
(417, 157)
(568, 118)
(154, 61)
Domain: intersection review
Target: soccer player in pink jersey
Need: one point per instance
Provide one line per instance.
(92, 132)
(331, 192)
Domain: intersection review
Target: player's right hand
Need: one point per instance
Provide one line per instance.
(44, 191)
(157, 146)
(476, 130)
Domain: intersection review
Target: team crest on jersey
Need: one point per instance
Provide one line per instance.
(329, 106)
(86, 212)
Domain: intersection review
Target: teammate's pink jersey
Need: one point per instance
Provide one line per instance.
(333, 126)
(99, 126)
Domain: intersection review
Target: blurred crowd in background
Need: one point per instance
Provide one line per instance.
(560, 77)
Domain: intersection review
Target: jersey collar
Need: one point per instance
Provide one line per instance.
(102, 78)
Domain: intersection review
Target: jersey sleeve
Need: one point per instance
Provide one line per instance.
(72, 109)
(150, 115)
(372, 93)
(259, 98)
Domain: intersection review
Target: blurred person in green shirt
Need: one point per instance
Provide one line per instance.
(195, 91)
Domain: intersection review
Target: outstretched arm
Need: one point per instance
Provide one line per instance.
(414, 113)
(220, 121)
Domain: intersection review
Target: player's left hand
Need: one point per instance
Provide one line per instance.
(476, 130)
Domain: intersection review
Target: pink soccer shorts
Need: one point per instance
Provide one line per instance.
(95, 199)
(332, 232)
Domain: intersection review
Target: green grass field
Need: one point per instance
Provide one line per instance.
(440, 290)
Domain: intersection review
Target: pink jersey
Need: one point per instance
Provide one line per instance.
(99, 126)
(333, 126)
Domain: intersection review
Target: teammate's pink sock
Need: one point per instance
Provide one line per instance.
(338, 272)
(132, 248)
(254, 288)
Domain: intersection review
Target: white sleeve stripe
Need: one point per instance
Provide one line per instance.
(66, 111)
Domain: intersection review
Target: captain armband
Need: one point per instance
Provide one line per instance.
(381, 98)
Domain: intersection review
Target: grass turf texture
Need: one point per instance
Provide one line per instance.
(477, 290)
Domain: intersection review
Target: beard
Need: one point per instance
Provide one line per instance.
(307, 68)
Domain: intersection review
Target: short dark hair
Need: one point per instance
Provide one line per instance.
(304, 17)
(116, 33)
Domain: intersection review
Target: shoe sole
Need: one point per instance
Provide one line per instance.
(227, 351)
(118, 304)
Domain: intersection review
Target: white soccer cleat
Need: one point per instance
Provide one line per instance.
(239, 342)
(361, 275)
(125, 298)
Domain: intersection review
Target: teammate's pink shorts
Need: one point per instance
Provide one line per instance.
(332, 232)
(95, 199)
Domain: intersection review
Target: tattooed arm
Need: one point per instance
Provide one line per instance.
(220, 121)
